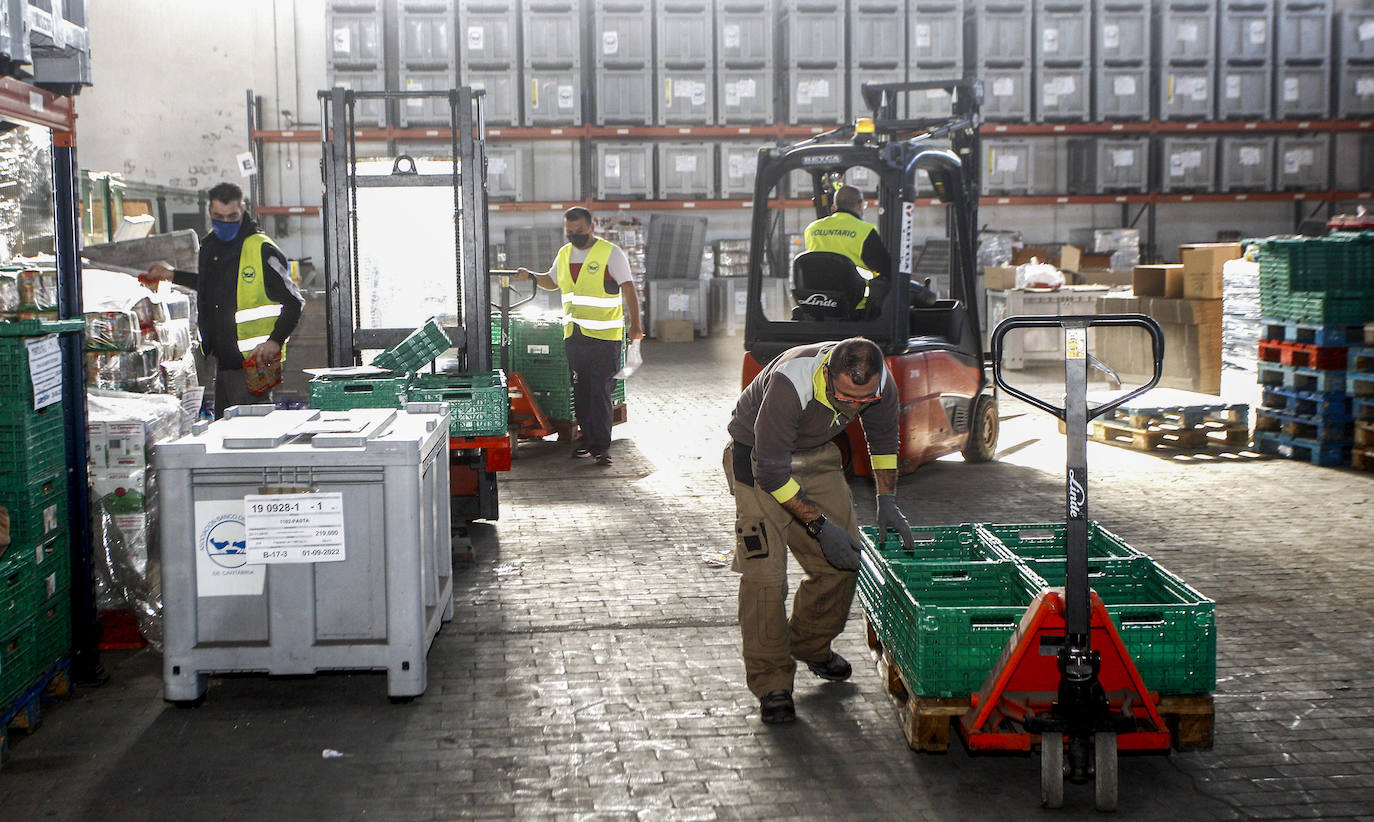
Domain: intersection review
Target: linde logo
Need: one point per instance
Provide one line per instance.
(1077, 496)
(819, 301)
(821, 160)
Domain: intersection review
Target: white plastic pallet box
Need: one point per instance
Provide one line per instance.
(302, 541)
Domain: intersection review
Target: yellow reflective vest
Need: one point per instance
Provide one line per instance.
(840, 233)
(587, 303)
(256, 315)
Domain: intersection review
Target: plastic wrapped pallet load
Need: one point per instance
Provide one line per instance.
(301, 541)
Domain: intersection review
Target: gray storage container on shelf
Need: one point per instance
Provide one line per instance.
(1122, 32)
(1065, 32)
(1247, 163)
(1303, 30)
(425, 111)
(745, 95)
(1245, 92)
(686, 171)
(1303, 91)
(1099, 165)
(1002, 32)
(1006, 93)
(685, 34)
(1186, 91)
(1185, 30)
(509, 167)
(379, 490)
(1009, 167)
(425, 33)
(366, 113)
(623, 96)
(1122, 92)
(623, 170)
(933, 102)
(1245, 30)
(738, 165)
(860, 75)
(1063, 93)
(877, 49)
(1188, 164)
(553, 96)
(1355, 88)
(815, 95)
(935, 32)
(1302, 162)
(622, 33)
(501, 98)
(744, 32)
(686, 96)
(557, 170)
(679, 300)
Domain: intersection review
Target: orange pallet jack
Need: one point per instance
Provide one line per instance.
(1065, 682)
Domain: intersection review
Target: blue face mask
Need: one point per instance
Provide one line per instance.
(226, 232)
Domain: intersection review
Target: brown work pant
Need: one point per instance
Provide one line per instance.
(764, 532)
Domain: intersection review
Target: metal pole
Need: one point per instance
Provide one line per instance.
(338, 254)
(67, 226)
(1076, 490)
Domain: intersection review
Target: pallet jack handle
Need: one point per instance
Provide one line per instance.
(506, 305)
(1076, 414)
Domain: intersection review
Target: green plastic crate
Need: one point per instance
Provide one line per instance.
(31, 522)
(52, 631)
(1049, 540)
(417, 350)
(950, 621)
(16, 655)
(358, 392)
(479, 405)
(1168, 627)
(18, 581)
(938, 543)
(38, 328)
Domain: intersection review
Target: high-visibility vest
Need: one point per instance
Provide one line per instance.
(587, 303)
(256, 314)
(840, 233)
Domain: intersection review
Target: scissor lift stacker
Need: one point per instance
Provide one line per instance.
(1066, 682)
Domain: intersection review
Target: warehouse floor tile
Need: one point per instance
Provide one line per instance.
(592, 668)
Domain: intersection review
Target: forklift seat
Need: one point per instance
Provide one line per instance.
(826, 286)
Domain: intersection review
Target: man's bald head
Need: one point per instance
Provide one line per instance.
(849, 198)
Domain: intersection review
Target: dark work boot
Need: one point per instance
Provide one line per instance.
(776, 707)
(835, 669)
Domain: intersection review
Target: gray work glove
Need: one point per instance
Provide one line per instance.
(840, 547)
(890, 517)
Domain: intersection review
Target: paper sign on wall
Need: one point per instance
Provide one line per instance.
(680, 302)
(247, 165)
(476, 38)
(222, 568)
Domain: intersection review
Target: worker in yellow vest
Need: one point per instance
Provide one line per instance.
(247, 304)
(598, 298)
(844, 232)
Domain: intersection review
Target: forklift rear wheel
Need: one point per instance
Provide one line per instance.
(1104, 770)
(1052, 769)
(982, 434)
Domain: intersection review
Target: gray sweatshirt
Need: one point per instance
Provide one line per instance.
(785, 409)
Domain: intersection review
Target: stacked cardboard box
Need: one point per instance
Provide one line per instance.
(1192, 341)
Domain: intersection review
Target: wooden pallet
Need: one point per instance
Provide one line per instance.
(567, 429)
(1208, 433)
(926, 720)
(1362, 458)
(24, 715)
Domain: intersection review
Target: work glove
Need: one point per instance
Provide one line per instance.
(840, 547)
(890, 517)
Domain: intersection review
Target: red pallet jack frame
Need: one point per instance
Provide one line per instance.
(1065, 681)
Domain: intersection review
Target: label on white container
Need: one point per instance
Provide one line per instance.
(1250, 156)
(222, 567)
(476, 38)
(496, 165)
(1008, 163)
(679, 302)
(565, 97)
(1366, 31)
(1258, 32)
(1111, 36)
(1364, 86)
(612, 166)
(730, 36)
(610, 42)
(923, 35)
(1049, 43)
(1123, 86)
(342, 41)
(1188, 33)
(1122, 158)
(1297, 159)
(294, 528)
(685, 164)
(1233, 87)
(1003, 87)
(1291, 89)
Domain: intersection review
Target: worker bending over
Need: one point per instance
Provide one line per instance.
(598, 296)
(791, 494)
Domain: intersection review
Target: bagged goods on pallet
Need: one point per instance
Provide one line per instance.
(37, 290)
(9, 293)
(112, 331)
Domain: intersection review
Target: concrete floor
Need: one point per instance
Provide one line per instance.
(592, 668)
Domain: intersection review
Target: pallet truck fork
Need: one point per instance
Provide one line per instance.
(1065, 679)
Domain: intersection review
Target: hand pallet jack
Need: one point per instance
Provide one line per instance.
(1065, 679)
(527, 419)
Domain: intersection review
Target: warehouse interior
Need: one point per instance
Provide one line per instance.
(1125, 313)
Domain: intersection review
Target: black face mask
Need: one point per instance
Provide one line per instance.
(580, 240)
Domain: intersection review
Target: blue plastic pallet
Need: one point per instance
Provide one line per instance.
(1311, 403)
(1293, 378)
(1313, 333)
(1304, 426)
(1325, 454)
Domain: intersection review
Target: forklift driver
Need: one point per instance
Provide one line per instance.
(844, 232)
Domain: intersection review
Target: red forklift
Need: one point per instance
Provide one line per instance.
(933, 344)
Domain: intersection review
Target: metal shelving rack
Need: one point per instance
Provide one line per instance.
(27, 104)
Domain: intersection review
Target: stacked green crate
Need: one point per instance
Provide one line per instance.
(537, 355)
(479, 405)
(1321, 280)
(347, 393)
(947, 608)
(35, 566)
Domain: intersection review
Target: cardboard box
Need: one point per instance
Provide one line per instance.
(1202, 285)
(999, 277)
(675, 330)
(1102, 276)
(1202, 266)
(1165, 280)
(1070, 258)
(1192, 342)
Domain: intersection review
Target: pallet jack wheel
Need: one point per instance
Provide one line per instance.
(1052, 769)
(1104, 770)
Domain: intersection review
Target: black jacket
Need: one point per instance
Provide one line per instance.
(216, 287)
